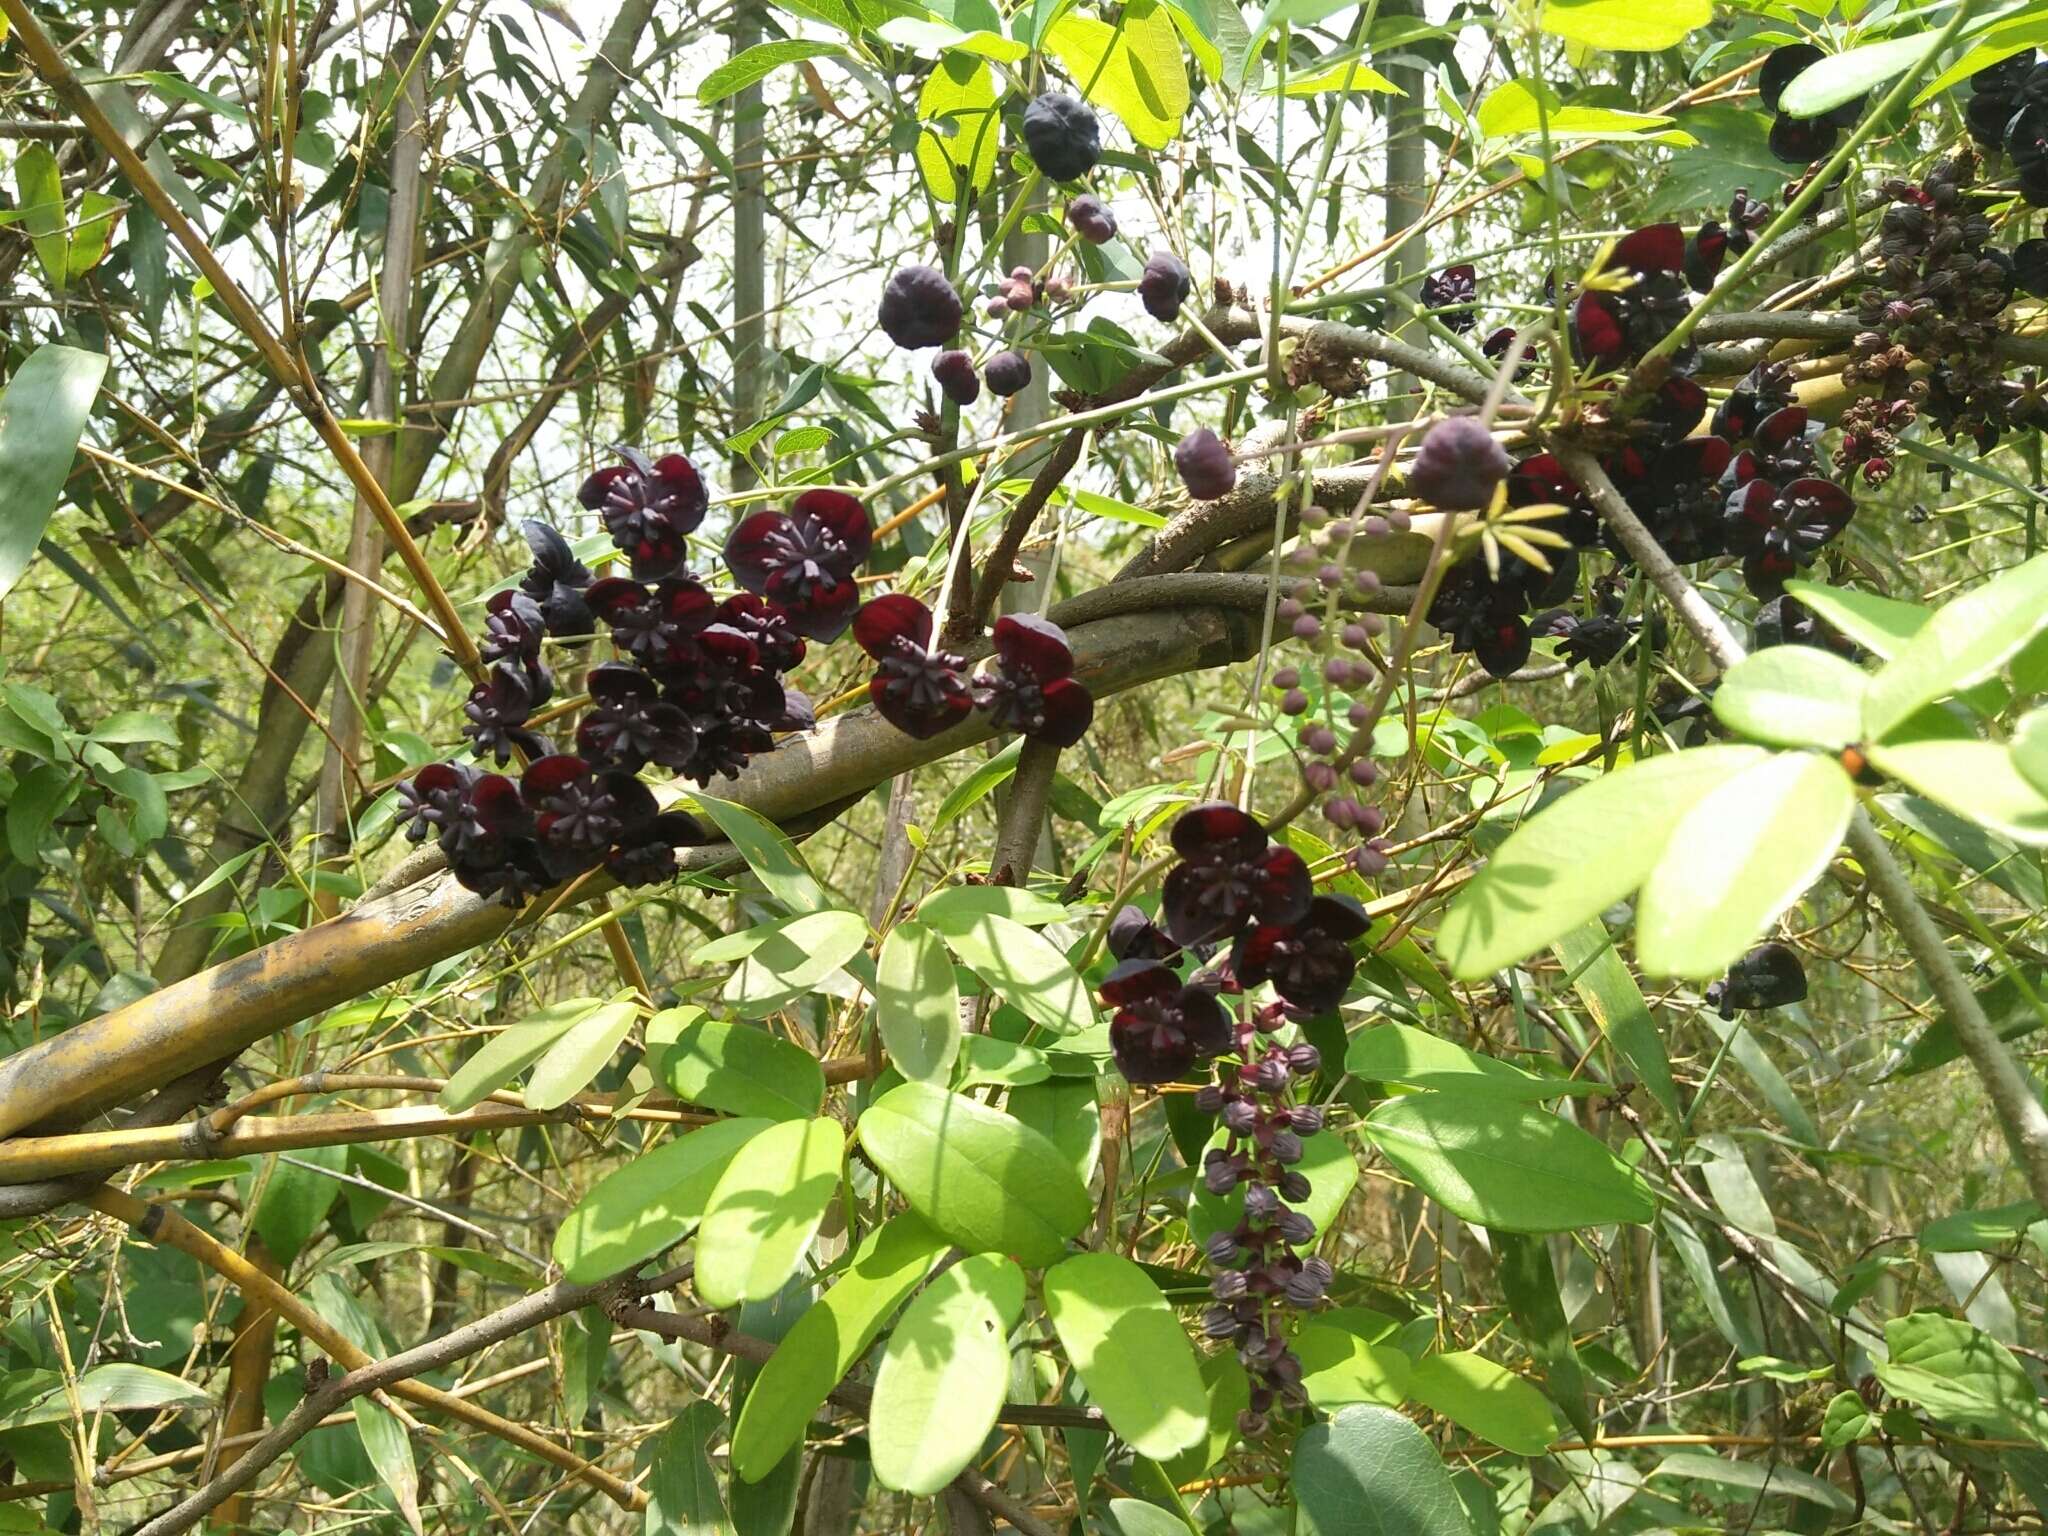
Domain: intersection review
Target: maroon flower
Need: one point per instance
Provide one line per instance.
(630, 726)
(513, 628)
(652, 624)
(918, 690)
(804, 559)
(1704, 254)
(768, 625)
(1161, 1028)
(1779, 529)
(484, 827)
(1785, 448)
(1134, 936)
(1032, 690)
(1310, 963)
(499, 707)
(1451, 292)
(1612, 326)
(556, 581)
(644, 851)
(650, 508)
(1230, 874)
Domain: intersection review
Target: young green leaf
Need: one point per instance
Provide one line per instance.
(1741, 856)
(512, 1050)
(1368, 1471)
(1961, 1375)
(1576, 857)
(1793, 696)
(917, 1004)
(579, 1055)
(1339, 1367)
(648, 1203)
(757, 63)
(1968, 638)
(1129, 1350)
(1505, 1164)
(790, 961)
(833, 1333)
(1978, 780)
(743, 1070)
(765, 1210)
(958, 908)
(683, 1496)
(1024, 969)
(766, 848)
(1842, 77)
(943, 1375)
(1602, 980)
(1881, 625)
(985, 1180)
(1625, 26)
(1488, 1399)
(1528, 1281)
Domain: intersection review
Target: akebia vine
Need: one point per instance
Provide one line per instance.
(1289, 778)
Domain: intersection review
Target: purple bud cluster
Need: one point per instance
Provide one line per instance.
(698, 687)
(1932, 313)
(1260, 1269)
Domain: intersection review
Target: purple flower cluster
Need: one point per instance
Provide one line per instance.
(1234, 885)
(697, 688)
(1259, 1271)
(922, 689)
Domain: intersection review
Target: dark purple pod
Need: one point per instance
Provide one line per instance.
(1165, 285)
(1205, 465)
(1092, 219)
(919, 308)
(1063, 135)
(954, 370)
(1006, 373)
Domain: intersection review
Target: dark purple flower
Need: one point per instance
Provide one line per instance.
(576, 813)
(1205, 465)
(484, 829)
(1781, 68)
(499, 707)
(918, 690)
(1704, 254)
(768, 625)
(1458, 465)
(433, 798)
(649, 507)
(1092, 219)
(1134, 936)
(1614, 325)
(629, 725)
(955, 373)
(1763, 390)
(556, 580)
(804, 559)
(653, 624)
(1032, 690)
(1161, 1028)
(1769, 976)
(1451, 293)
(1779, 529)
(1230, 874)
(647, 838)
(1063, 135)
(1309, 962)
(1592, 638)
(1786, 448)
(1006, 373)
(513, 628)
